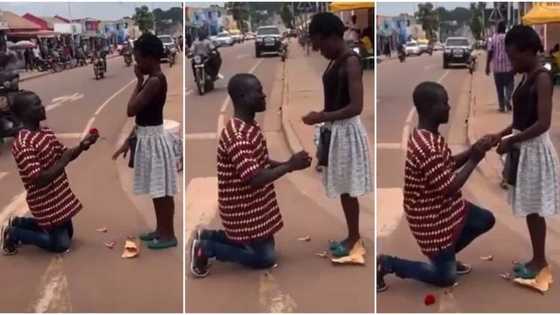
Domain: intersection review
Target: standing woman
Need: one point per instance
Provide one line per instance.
(151, 147)
(532, 166)
(343, 148)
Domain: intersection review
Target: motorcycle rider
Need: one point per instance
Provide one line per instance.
(205, 48)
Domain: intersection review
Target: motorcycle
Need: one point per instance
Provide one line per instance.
(401, 54)
(171, 55)
(10, 125)
(99, 68)
(204, 82)
(472, 64)
(127, 58)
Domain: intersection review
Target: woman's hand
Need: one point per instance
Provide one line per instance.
(138, 73)
(122, 150)
(313, 118)
(504, 146)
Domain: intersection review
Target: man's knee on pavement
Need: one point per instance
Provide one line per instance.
(446, 280)
(267, 260)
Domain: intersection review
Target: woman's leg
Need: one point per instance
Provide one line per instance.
(165, 210)
(351, 208)
(537, 231)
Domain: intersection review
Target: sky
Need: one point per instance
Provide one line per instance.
(99, 10)
(394, 9)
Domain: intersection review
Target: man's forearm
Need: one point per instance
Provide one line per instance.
(461, 177)
(462, 158)
(269, 175)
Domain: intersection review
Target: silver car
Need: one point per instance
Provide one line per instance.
(223, 39)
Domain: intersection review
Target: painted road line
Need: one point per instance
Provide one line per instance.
(62, 100)
(69, 135)
(201, 203)
(272, 298)
(54, 294)
(201, 136)
(389, 210)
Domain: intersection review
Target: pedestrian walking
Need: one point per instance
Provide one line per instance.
(246, 196)
(441, 221)
(343, 148)
(153, 156)
(499, 63)
(42, 161)
(532, 163)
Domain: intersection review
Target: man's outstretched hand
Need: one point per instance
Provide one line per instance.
(89, 140)
(300, 161)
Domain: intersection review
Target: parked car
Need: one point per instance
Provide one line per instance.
(168, 45)
(438, 46)
(423, 45)
(237, 36)
(268, 40)
(250, 36)
(457, 51)
(223, 39)
(412, 48)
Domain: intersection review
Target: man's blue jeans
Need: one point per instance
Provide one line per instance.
(27, 231)
(442, 269)
(256, 254)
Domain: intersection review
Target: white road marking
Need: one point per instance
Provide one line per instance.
(271, 296)
(3, 174)
(54, 295)
(201, 136)
(61, 100)
(389, 210)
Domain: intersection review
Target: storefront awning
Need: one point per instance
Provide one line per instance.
(543, 13)
(32, 34)
(348, 6)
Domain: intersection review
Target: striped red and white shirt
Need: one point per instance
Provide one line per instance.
(500, 59)
(434, 218)
(247, 213)
(35, 151)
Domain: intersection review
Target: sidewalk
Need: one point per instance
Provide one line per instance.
(485, 118)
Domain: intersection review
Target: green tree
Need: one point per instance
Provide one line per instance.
(476, 21)
(287, 16)
(240, 13)
(429, 18)
(144, 19)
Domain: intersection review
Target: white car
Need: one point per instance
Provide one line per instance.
(412, 48)
(223, 39)
(250, 36)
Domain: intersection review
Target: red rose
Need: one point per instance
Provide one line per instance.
(94, 131)
(429, 299)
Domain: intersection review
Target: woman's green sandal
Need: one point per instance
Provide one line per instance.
(160, 244)
(149, 236)
(340, 250)
(521, 271)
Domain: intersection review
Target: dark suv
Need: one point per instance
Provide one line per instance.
(268, 40)
(457, 50)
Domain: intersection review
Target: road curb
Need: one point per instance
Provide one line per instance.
(45, 73)
(288, 130)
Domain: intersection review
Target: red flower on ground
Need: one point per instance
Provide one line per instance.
(429, 299)
(93, 131)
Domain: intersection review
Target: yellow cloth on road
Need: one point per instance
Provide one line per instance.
(543, 13)
(348, 6)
